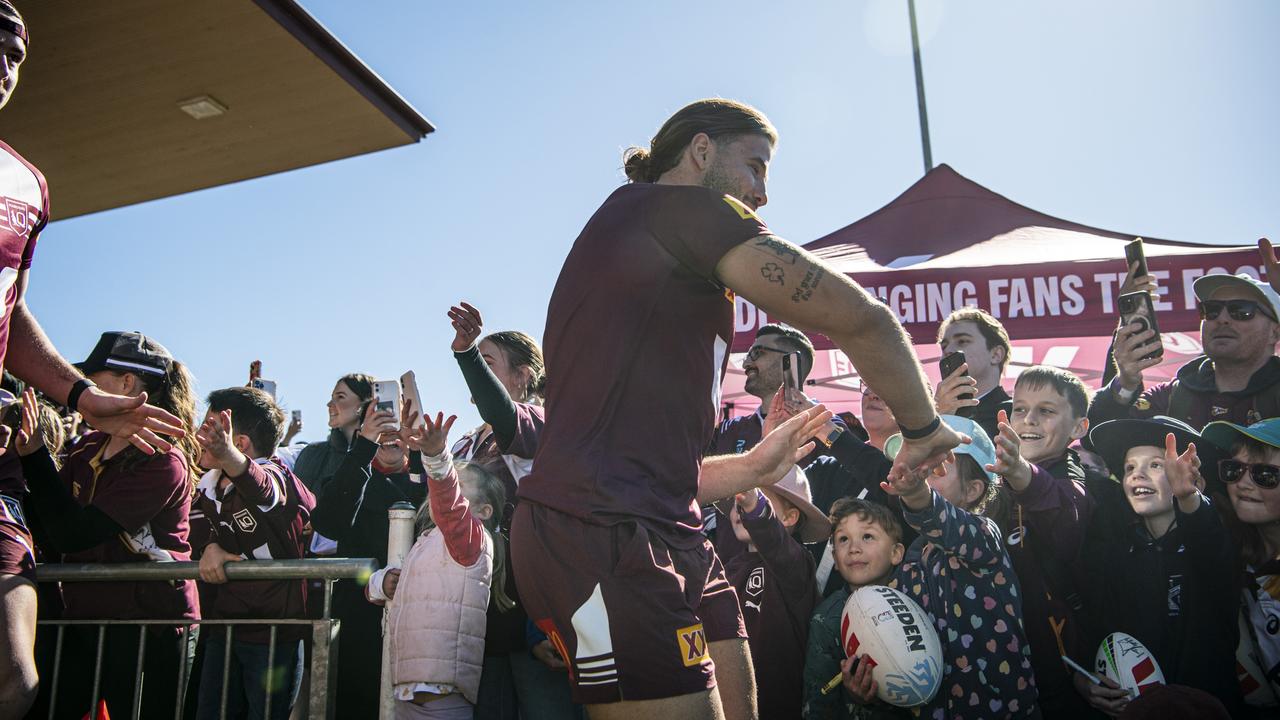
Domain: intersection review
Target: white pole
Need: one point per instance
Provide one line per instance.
(399, 540)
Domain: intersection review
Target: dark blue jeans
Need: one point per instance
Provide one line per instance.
(249, 677)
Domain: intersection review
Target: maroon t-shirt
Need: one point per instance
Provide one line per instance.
(150, 497)
(24, 211)
(638, 334)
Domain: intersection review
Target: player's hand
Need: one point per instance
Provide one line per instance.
(214, 437)
(467, 325)
(212, 564)
(1132, 344)
(947, 397)
(1182, 471)
(1270, 262)
(781, 449)
(30, 439)
(1133, 282)
(376, 422)
(860, 683)
(1009, 461)
(130, 418)
(430, 438)
(390, 581)
(1108, 697)
(927, 453)
(546, 652)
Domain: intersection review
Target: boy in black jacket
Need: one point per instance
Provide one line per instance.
(1167, 579)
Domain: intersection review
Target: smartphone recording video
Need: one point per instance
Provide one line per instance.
(1137, 308)
(386, 396)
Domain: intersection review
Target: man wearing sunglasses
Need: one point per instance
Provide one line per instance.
(1236, 380)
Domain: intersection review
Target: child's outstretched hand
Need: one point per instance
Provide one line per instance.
(1183, 474)
(860, 683)
(30, 439)
(1009, 462)
(911, 487)
(430, 438)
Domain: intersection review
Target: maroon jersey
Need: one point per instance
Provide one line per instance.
(24, 211)
(638, 332)
(258, 516)
(510, 464)
(150, 497)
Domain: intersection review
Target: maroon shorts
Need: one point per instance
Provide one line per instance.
(630, 614)
(17, 551)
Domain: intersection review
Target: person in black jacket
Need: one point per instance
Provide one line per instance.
(1168, 577)
(317, 462)
(351, 509)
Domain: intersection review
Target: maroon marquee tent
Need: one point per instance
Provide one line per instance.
(948, 242)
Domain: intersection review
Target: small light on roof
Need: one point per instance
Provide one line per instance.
(202, 107)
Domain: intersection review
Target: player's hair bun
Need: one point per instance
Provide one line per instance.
(637, 163)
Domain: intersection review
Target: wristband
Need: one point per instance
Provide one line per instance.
(923, 432)
(73, 397)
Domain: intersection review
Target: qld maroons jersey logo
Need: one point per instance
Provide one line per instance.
(17, 216)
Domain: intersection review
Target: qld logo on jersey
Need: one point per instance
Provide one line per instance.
(743, 211)
(17, 216)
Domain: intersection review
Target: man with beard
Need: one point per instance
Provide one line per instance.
(1236, 380)
(606, 543)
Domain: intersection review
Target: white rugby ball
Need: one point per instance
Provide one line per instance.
(887, 628)
(1128, 662)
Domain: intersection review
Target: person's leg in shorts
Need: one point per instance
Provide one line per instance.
(18, 677)
(632, 616)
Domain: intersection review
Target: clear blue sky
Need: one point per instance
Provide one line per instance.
(1156, 117)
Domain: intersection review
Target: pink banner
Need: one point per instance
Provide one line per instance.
(1046, 300)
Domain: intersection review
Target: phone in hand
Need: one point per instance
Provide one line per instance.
(791, 371)
(297, 417)
(1133, 253)
(409, 384)
(267, 386)
(386, 396)
(947, 367)
(1136, 307)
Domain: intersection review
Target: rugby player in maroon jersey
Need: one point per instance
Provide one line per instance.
(24, 211)
(606, 543)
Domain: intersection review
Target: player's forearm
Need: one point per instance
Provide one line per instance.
(33, 358)
(724, 476)
(881, 351)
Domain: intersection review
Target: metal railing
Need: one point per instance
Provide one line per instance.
(324, 630)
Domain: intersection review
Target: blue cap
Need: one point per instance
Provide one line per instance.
(1225, 434)
(981, 449)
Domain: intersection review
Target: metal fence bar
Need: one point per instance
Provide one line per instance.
(269, 680)
(97, 673)
(311, 569)
(184, 639)
(57, 662)
(226, 674)
(324, 658)
(137, 671)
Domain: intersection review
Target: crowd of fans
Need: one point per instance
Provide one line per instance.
(1023, 552)
(1058, 516)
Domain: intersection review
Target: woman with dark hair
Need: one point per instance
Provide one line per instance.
(112, 503)
(317, 462)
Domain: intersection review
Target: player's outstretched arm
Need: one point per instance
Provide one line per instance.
(793, 285)
(765, 464)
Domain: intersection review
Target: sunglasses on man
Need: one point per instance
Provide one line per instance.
(758, 350)
(1264, 476)
(1239, 310)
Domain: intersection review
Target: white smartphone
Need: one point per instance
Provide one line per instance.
(386, 394)
(267, 386)
(409, 386)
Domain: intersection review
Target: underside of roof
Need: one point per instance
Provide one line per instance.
(98, 105)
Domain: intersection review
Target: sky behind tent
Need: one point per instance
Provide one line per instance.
(1152, 117)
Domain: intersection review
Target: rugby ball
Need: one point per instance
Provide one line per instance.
(888, 629)
(1129, 663)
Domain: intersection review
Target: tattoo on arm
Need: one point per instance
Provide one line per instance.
(812, 277)
(783, 250)
(773, 273)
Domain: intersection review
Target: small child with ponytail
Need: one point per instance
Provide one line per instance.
(437, 604)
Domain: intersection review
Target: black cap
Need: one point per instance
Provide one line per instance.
(127, 352)
(1113, 439)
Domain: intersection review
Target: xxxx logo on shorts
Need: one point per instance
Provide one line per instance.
(693, 645)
